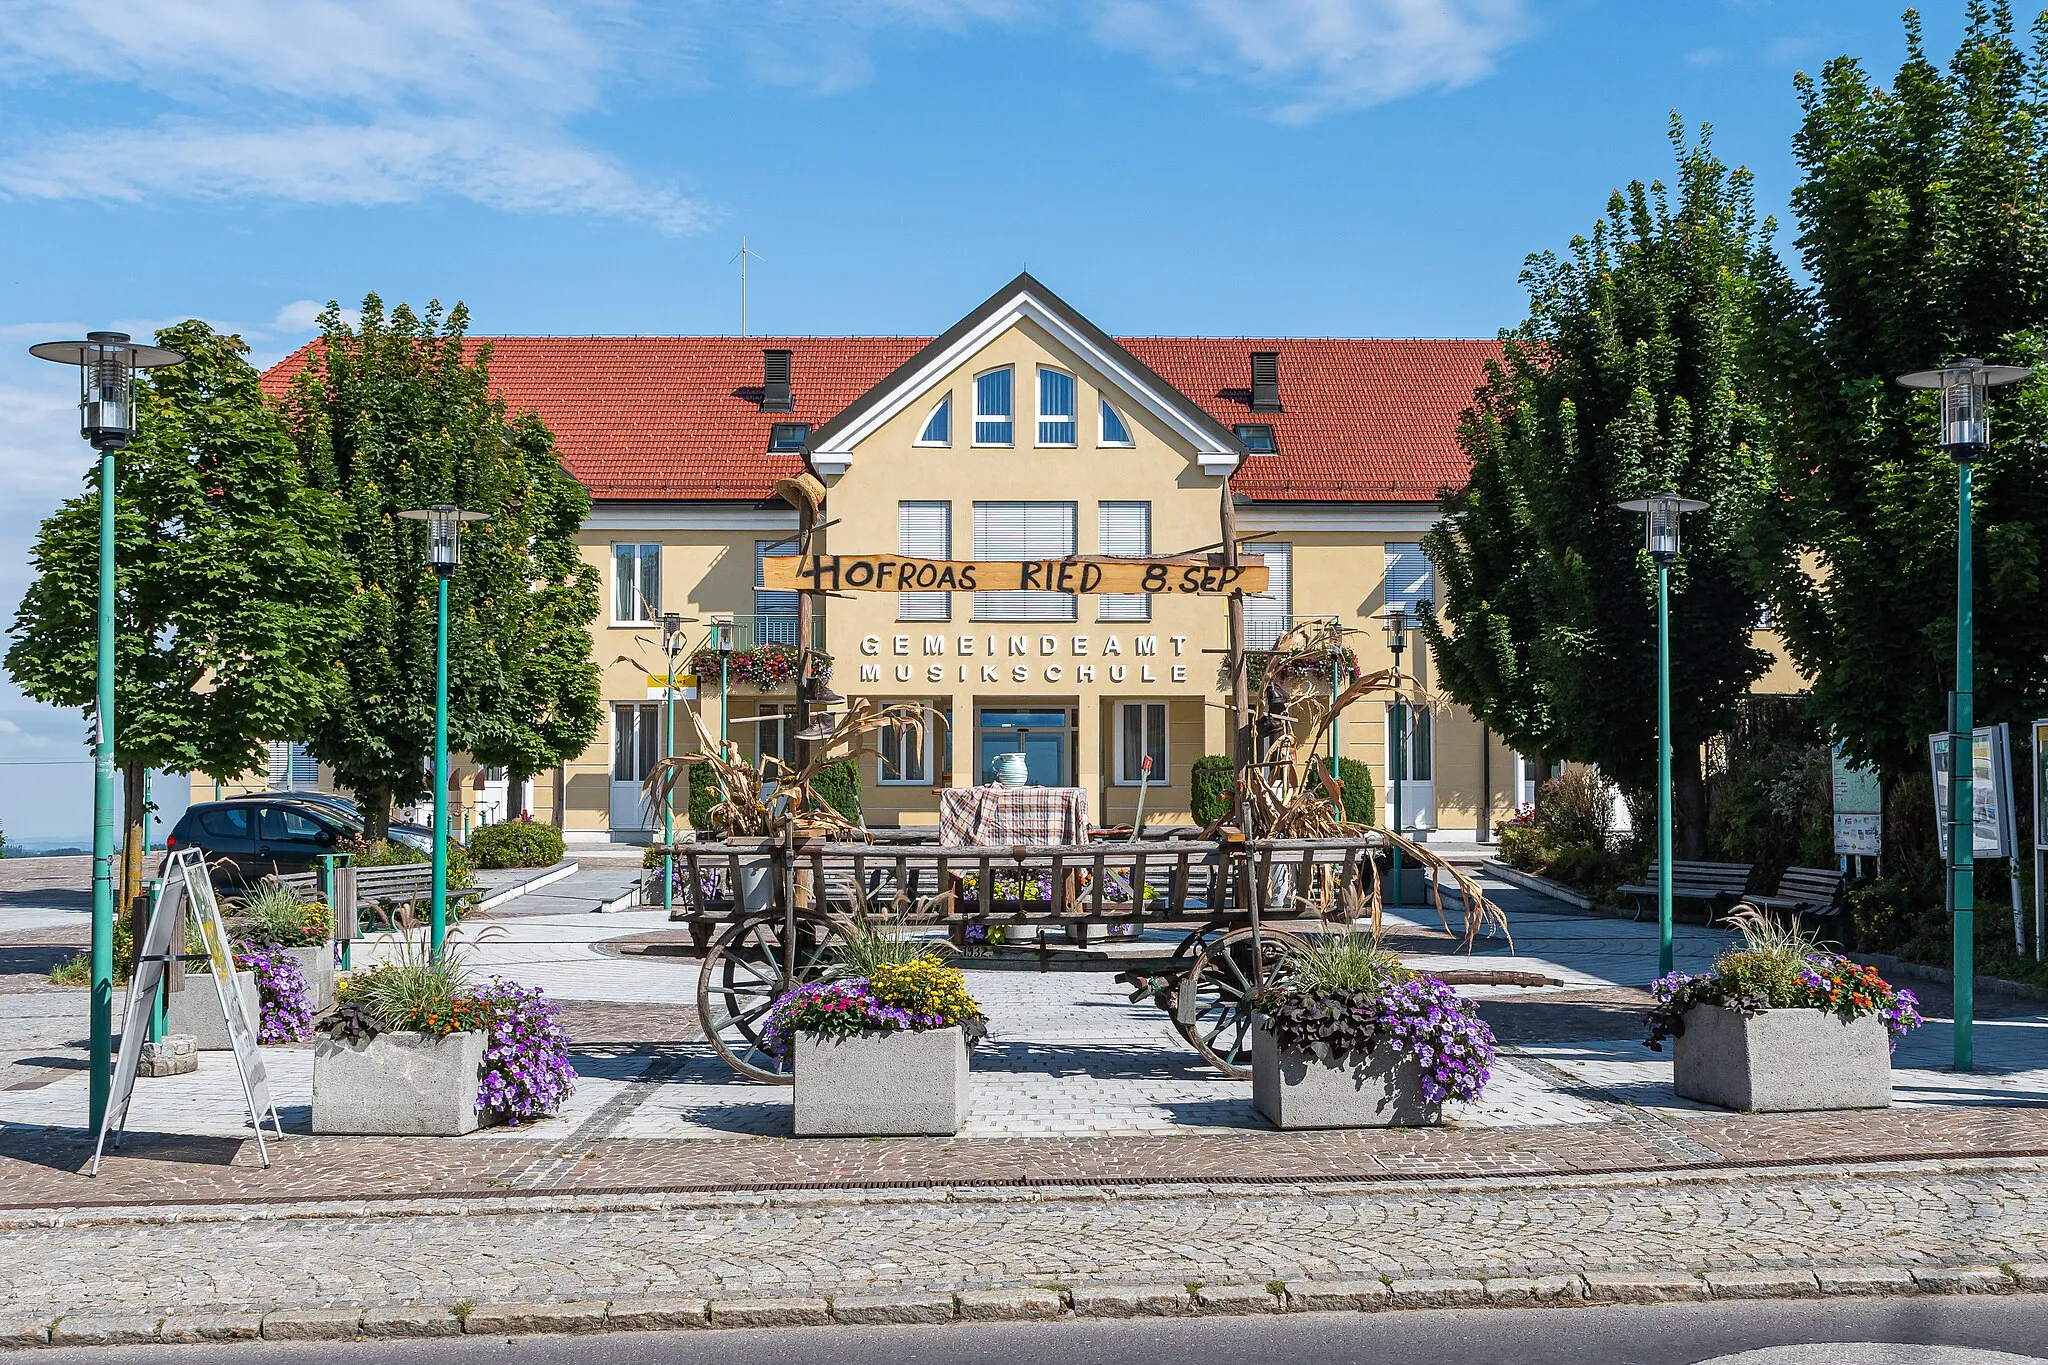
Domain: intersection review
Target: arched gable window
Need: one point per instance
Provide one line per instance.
(938, 426)
(994, 417)
(1056, 425)
(1114, 430)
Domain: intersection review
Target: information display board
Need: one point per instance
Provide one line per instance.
(1859, 808)
(1990, 792)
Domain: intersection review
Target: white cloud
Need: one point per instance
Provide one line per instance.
(324, 102)
(1326, 55)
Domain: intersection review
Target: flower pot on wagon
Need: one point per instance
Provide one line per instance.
(399, 1084)
(1783, 1060)
(907, 1083)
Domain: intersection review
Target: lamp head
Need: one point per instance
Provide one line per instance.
(1661, 513)
(444, 534)
(672, 623)
(107, 362)
(725, 637)
(1965, 408)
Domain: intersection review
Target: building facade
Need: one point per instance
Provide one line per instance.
(1022, 432)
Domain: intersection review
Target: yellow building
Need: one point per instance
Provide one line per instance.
(1022, 432)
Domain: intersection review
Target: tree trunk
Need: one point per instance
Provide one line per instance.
(376, 804)
(1689, 802)
(134, 847)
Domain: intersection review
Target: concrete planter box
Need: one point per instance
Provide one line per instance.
(196, 1010)
(1782, 1061)
(880, 1084)
(1299, 1090)
(317, 966)
(406, 1084)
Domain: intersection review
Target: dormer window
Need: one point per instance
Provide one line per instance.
(788, 435)
(994, 416)
(1115, 431)
(1056, 424)
(1257, 438)
(938, 426)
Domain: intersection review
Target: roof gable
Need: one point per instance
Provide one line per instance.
(831, 447)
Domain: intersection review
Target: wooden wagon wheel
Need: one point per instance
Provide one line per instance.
(1213, 1007)
(744, 974)
(1182, 965)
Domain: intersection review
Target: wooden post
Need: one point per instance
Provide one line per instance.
(1240, 748)
(805, 636)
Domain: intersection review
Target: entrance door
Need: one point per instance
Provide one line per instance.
(494, 798)
(636, 747)
(1046, 739)
(1418, 769)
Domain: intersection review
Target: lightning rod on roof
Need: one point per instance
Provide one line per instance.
(741, 256)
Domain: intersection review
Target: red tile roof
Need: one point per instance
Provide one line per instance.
(680, 417)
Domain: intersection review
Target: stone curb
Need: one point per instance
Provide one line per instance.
(1015, 1305)
(883, 1195)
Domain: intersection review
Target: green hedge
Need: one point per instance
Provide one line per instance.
(1210, 799)
(516, 843)
(839, 784)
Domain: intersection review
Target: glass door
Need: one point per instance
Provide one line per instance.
(1045, 738)
(1418, 768)
(636, 747)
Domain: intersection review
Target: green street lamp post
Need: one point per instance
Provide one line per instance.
(107, 362)
(724, 629)
(1965, 434)
(1661, 513)
(444, 551)
(1399, 622)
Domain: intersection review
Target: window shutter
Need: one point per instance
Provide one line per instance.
(924, 530)
(1268, 614)
(280, 774)
(1124, 528)
(304, 773)
(1411, 578)
(1024, 530)
(774, 611)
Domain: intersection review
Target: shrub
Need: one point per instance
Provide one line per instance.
(275, 914)
(1521, 847)
(839, 785)
(516, 843)
(1360, 807)
(1213, 780)
(1576, 807)
(1342, 962)
(703, 795)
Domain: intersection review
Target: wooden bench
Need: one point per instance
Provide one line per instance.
(380, 889)
(1802, 891)
(1718, 886)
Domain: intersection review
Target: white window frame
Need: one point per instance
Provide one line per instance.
(945, 404)
(989, 605)
(1071, 418)
(785, 711)
(1122, 606)
(1105, 411)
(1009, 418)
(889, 734)
(1400, 556)
(639, 550)
(938, 605)
(1164, 766)
(1259, 605)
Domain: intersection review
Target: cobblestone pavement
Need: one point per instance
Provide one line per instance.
(947, 1241)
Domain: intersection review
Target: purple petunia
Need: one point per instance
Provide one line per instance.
(526, 1071)
(284, 999)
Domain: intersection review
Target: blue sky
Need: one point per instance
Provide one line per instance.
(1312, 167)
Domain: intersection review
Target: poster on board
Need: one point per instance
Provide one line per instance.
(1990, 791)
(2041, 785)
(1859, 808)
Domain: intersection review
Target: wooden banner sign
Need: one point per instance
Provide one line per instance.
(1079, 573)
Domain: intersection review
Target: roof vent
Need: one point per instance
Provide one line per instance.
(775, 393)
(1265, 381)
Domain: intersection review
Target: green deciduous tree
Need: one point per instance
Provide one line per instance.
(1626, 378)
(396, 413)
(1923, 227)
(232, 594)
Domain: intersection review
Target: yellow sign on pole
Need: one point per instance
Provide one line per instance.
(1186, 576)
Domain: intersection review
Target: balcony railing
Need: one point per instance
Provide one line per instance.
(774, 628)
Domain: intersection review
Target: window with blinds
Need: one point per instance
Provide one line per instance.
(924, 530)
(292, 767)
(1023, 530)
(1123, 528)
(636, 582)
(1411, 578)
(994, 423)
(1056, 424)
(1268, 614)
(774, 612)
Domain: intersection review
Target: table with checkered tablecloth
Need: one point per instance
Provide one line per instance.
(993, 815)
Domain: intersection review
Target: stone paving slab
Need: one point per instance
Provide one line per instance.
(1518, 1244)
